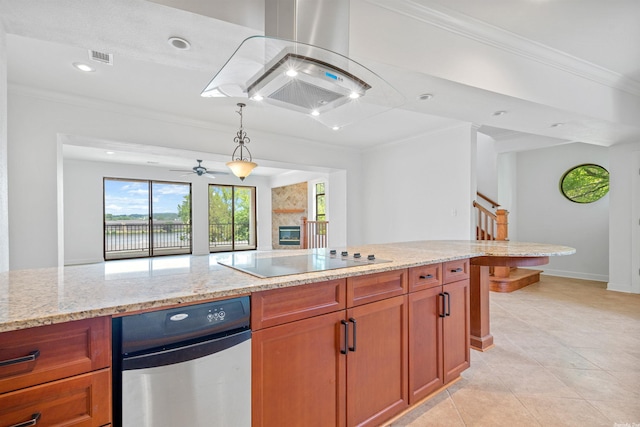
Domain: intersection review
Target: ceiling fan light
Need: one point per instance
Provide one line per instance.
(241, 168)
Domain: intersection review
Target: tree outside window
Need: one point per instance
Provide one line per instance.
(585, 183)
(321, 213)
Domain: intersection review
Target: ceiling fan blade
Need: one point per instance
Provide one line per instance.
(180, 170)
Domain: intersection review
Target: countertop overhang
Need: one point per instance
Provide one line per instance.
(37, 297)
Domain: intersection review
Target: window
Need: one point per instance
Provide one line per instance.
(320, 208)
(232, 218)
(585, 183)
(146, 218)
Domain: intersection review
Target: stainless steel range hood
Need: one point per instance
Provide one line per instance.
(301, 65)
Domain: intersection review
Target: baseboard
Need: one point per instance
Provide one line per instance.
(620, 287)
(576, 275)
(82, 261)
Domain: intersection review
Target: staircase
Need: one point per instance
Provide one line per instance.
(494, 225)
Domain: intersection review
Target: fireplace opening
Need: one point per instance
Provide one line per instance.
(289, 235)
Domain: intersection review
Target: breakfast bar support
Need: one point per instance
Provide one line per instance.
(480, 331)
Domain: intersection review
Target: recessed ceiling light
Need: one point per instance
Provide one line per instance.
(179, 43)
(557, 125)
(257, 97)
(110, 152)
(425, 96)
(291, 73)
(500, 113)
(83, 67)
(336, 128)
(315, 113)
(354, 95)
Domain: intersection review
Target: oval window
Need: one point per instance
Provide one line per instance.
(585, 183)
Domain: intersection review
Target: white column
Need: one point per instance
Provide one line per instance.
(4, 188)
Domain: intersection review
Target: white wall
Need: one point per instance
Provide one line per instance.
(83, 190)
(545, 215)
(37, 119)
(487, 160)
(4, 187)
(420, 188)
(624, 222)
(507, 190)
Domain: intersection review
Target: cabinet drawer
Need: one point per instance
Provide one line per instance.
(52, 352)
(82, 401)
(375, 287)
(425, 277)
(455, 270)
(278, 306)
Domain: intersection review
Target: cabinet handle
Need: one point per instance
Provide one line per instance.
(428, 276)
(443, 313)
(344, 349)
(456, 270)
(28, 358)
(32, 422)
(448, 297)
(352, 320)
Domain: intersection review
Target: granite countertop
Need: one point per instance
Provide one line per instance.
(53, 295)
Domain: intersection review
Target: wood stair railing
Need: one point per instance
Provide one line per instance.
(314, 234)
(489, 225)
(495, 226)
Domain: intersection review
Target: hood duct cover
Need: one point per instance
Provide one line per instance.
(326, 85)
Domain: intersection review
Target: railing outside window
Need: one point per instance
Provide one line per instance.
(221, 234)
(130, 240)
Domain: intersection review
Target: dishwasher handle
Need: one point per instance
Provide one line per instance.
(183, 353)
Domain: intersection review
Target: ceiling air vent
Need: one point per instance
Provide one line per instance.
(105, 58)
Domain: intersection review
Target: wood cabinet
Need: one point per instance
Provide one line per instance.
(438, 326)
(57, 374)
(347, 367)
(377, 363)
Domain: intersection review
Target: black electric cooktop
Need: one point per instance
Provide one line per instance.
(256, 265)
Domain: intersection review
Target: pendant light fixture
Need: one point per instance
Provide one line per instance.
(240, 164)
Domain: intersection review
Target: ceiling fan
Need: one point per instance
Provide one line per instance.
(200, 171)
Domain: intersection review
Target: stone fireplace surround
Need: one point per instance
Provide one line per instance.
(289, 205)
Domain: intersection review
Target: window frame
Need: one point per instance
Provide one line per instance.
(151, 250)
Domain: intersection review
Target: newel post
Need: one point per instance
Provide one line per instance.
(304, 233)
(502, 233)
(502, 224)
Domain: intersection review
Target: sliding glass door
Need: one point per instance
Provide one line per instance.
(146, 218)
(232, 218)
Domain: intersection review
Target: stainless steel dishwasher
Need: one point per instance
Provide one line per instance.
(188, 366)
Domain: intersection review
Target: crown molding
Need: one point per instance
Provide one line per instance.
(482, 32)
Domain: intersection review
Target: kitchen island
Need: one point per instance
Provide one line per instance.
(416, 311)
(38, 297)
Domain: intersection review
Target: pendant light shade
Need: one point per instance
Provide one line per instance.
(241, 163)
(241, 168)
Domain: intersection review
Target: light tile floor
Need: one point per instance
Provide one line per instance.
(567, 353)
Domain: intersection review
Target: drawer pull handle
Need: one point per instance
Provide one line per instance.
(457, 270)
(428, 276)
(29, 358)
(32, 422)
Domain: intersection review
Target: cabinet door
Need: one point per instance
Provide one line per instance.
(298, 373)
(425, 343)
(456, 329)
(377, 361)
